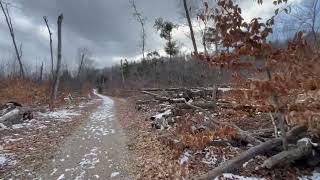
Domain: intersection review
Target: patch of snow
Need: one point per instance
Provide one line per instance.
(106, 101)
(244, 165)
(17, 126)
(81, 176)
(224, 89)
(61, 177)
(228, 176)
(12, 140)
(210, 158)
(3, 160)
(185, 158)
(97, 176)
(160, 115)
(114, 174)
(7, 160)
(315, 176)
(53, 172)
(307, 141)
(90, 160)
(63, 114)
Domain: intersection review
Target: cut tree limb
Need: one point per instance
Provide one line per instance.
(163, 98)
(10, 115)
(285, 157)
(238, 161)
(204, 105)
(241, 134)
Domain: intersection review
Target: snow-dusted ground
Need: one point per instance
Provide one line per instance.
(96, 151)
(19, 133)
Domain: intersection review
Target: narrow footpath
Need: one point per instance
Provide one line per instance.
(96, 151)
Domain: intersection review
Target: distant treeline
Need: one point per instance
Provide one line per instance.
(180, 71)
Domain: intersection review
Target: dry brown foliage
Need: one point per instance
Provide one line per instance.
(25, 92)
(292, 73)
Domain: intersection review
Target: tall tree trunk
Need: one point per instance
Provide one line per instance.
(55, 86)
(10, 26)
(314, 19)
(51, 51)
(279, 114)
(171, 49)
(141, 20)
(204, 44)
(122, 73)
(190, 27)
(41, 73)
(216, 42)
(80, 66)
(143, 40)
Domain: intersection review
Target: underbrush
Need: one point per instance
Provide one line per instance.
(24, 91)
(30, 93)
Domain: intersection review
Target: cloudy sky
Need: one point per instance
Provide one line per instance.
(106, 27)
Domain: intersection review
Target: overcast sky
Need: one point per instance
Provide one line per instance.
(106, 27)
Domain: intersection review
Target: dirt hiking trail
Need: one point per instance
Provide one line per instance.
(96, 151)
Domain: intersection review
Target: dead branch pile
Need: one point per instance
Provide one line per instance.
(13, 113)
(178, 107)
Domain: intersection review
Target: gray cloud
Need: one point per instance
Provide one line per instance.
(106, 27)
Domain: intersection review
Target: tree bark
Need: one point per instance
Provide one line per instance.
(122, 72)
(80, 66)
(190, 27)
(41, 73)
(141, 21)
(279, 114)
(51, 51)
(55, 86)
(238, 161)
(10, 26)
(285, 157)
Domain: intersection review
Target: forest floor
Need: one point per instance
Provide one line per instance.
(82, 142)
(113, 138)
(160, 157)
(154, 159)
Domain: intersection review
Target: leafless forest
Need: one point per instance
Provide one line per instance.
(240, 101)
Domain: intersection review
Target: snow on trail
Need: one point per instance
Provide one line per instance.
(96, 151)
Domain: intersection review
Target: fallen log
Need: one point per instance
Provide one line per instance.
(189, 92)
(265, 133)
(235, 163)
(2, 127)
(140, 102)
(241, 134)
(285, 157)
(13, 114)
(163, 89)
(16, 116)
(204, 105)
(163, 98)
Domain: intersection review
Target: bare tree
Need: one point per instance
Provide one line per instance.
(190, 27)
(83, 54)
(41, 73)
(307, 16)
(51, 51)
(141, 20)
(56, 81)
(6, 13)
